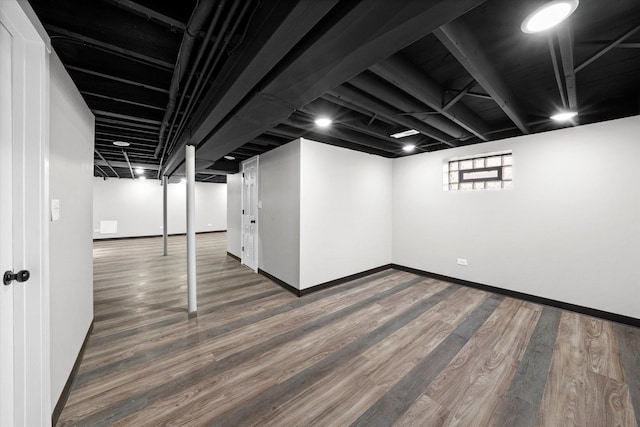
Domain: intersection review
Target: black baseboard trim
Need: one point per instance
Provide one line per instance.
(237, 258)
(64, 396)
(606, 315)
(282, 283)
(155, 235)
(325, 285)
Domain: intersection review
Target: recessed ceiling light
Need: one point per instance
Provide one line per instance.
(564, 116)
(121, 143)
(139, 171)
(405, 133)
(142, 177)
(183, 180)
(229, 157)
(548, 15)
(323, 122)
(409, 148)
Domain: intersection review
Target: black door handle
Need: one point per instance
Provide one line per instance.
(20, 276)
(253, 221)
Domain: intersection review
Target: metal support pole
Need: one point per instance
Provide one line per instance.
(190, 156)
(165, 231)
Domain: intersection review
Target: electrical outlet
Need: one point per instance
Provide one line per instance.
(462, 261)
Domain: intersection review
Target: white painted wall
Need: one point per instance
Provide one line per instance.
(345, 212)
(279, 216)
(137, 206)
(569, 230)
(234, 220)
(70, 244)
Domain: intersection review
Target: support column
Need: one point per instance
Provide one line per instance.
(165, 232)
(190, 159)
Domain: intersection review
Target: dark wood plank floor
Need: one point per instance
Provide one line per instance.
(389, 349)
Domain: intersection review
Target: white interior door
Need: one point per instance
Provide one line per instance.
(250, 213)
(24, 305)
(6, 233)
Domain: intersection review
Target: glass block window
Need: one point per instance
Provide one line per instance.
(487, 172)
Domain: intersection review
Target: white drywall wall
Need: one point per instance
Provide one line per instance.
(136, 205)
(345, 212)
(70, 243)
(569, 230)
(279, 216)
(234, 220)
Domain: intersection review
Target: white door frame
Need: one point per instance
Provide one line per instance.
(27, 329)
(253, 264)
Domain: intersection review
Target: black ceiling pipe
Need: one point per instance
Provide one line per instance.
(371, 84)
(208, 67)
(200, 14)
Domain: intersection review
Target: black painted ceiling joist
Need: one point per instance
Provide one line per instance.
(398, 70)
(462, 44)
(351, 40)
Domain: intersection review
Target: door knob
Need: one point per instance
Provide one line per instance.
(20, 276)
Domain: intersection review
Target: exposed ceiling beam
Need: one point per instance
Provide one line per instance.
(125, 117)
(117, 79)
(458, 96)
(565, 42)
(345, 134)
(295, 133)
(277, 28)
(106, 163)
(475, 95)
(124, 153)
(556, 71)
(125, 101)
(136, 127)
(606, 49)
(148, 13)
(608, 42)
(121, 128)
(349, 119)
(108, 47)
(389, 94)
(358, 35)
(413, 80)
(464, 45)
(115, 135)
(348, 105)
(366, 102)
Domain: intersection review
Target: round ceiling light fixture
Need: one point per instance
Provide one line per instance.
(139, 171)
(121, 143)
(323, 122)
(563, 116)
(409, 148)
(229, 157)
(548, 15)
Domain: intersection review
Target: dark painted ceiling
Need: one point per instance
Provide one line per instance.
(241, 77)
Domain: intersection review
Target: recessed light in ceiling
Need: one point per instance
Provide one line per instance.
(564, 116)
(139, 171)
(142, 177)
(409, 148)
(323, 122)
(229, 157)
(405, 133)
(121, 143)
(548, 15)
(183, 180)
